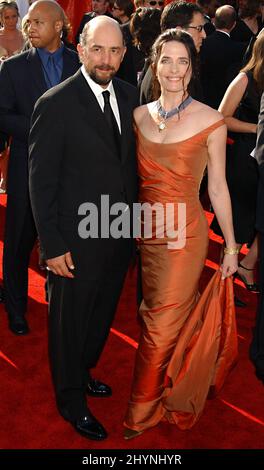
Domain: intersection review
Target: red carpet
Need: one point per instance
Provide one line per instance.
(28, 416)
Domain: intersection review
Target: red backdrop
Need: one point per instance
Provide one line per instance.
(75, 9)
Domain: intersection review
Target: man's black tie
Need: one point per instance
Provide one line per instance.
(110, 117)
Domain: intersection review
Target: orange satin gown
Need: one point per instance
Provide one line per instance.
(187, 345)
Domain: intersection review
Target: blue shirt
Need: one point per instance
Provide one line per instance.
(52, 70)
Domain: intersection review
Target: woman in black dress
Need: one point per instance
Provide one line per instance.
(240, 107)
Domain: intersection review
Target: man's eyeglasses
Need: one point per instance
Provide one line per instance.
(152, 3)
(198, 28)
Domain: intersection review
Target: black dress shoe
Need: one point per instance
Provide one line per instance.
(18, 325)
(2, 294)
(95, 388)
(239, 303)
(89, 427)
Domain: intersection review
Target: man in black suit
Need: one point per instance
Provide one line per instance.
(257, 345)
(82, 157)
(99, 7)
(23, 79)
(221, 58)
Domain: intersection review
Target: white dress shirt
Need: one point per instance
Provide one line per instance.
(98, 90)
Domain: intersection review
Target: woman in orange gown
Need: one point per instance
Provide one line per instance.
(186, 346)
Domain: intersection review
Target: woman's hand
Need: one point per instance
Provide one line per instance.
(229, 265)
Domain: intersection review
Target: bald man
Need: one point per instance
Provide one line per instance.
(23, 79)
(82, 159)
(221, 58)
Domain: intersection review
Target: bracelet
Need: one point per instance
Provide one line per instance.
(231, 251)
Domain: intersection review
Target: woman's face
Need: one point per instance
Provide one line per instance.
(174, 68)
(9, 18)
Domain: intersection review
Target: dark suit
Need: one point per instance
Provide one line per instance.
(133, 61)
(22, 83)
(78, 164)
(257, 346)
(221, 59)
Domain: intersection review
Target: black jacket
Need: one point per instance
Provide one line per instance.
(73, 161)
(21, 83)
(221, 59)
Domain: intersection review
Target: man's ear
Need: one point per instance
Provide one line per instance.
(80, 51)
(125, 49)
(58, 26)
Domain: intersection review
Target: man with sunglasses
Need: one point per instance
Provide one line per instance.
(154, 4)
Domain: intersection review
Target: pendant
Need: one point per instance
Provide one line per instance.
(162, 126)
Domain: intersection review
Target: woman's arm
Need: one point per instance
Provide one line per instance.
(230, 102)
(219, 195)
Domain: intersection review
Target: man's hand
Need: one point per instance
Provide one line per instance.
(61, 265)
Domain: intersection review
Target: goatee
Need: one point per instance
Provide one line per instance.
(99, 80)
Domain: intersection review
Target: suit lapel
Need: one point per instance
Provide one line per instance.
(122, 100)
(36, 72)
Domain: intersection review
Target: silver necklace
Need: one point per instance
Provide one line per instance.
(164, 115)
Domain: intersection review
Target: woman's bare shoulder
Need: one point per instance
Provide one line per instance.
(141, 112)
(207, 115)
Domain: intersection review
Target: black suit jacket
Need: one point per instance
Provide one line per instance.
(259, 154)
(221, 59)
(73, 161)
(21, 83)
(133, 61)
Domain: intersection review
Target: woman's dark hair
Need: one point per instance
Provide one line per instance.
(256, 63)
(145, 27)
(126, 5)
(182, 37)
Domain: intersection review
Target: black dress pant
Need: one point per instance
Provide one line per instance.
(20, 236)
(257, 345)
(80, 316)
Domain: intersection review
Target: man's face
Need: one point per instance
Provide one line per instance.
(103, 53)
(43, 27)
(196, 30)
(99, 6)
